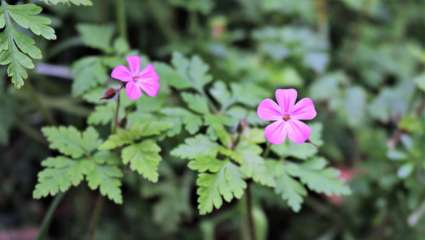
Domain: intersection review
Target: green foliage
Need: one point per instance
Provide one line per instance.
(192, 71)
(69, 141)
(317, 177)
(144, 158)
(75, 2)
(60, 173)
(133, 133)
(180, 117)
(195, 147)
(290, 190)
(88, 73)
(226, 183)
(196, 103)
(97, 36)
(16, 48)
(106, 176)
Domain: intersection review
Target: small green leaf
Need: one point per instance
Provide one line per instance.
(69, 141)
(195, 147)
(172, 77)
(217, 128)
(290, 190)
(126, 136)
(253, 165)
(420, 82)
(191, 121)
(97, 36)
(222, 95)
(75, 2)
(194, 71)
(226, 183)
(143, 158)
(196, 103)
(106, 177)
(318, 178)
(88, 73)
(59, 175)
(27, 16)
(206, 163)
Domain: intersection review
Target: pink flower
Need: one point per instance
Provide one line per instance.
(286, 115)
(146, 80)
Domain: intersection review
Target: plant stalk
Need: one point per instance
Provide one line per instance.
(99, 202)
(249, 213)
(121, 18)
(49, 215)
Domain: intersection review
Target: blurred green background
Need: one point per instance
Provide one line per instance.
(362, 61)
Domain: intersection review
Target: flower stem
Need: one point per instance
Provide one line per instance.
(48, 217)
(116, 123)
(95, 217)
(249, 213)
(99, 202)
(121, 18)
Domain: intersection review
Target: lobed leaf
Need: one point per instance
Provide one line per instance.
(71, 142)
(214, 187)
(317, 177)
(195, 147)
(143, 158)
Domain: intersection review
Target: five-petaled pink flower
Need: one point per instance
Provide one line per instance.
(286, 115)
(137, 80)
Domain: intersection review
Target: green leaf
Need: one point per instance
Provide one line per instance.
(317, 177)
(193, 71)
(97, 36)
(213, 188)
(59, 175)
(206, 163)
(355, 106)
(107, 179)
(195, 147)
(27, 16)
(172, 77)
(16, 48)
(217, 128)
(222, 95)
(75, 2)
(420, 82)
(253, 165)
(88, 73)
(196, 103)
(126, 136)
(248, 94)
(121, 46)
(71, 142)
(144, 158)
(290, 190)
(191, 121)
(301, 151)
(106, 176)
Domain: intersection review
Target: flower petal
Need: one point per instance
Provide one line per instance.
(286, 99)
(148, 80)
(276, 132)
(269, 110)
(133, 91)
(304, 110)
(121, 73)
(134, 64)
(298, 132)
